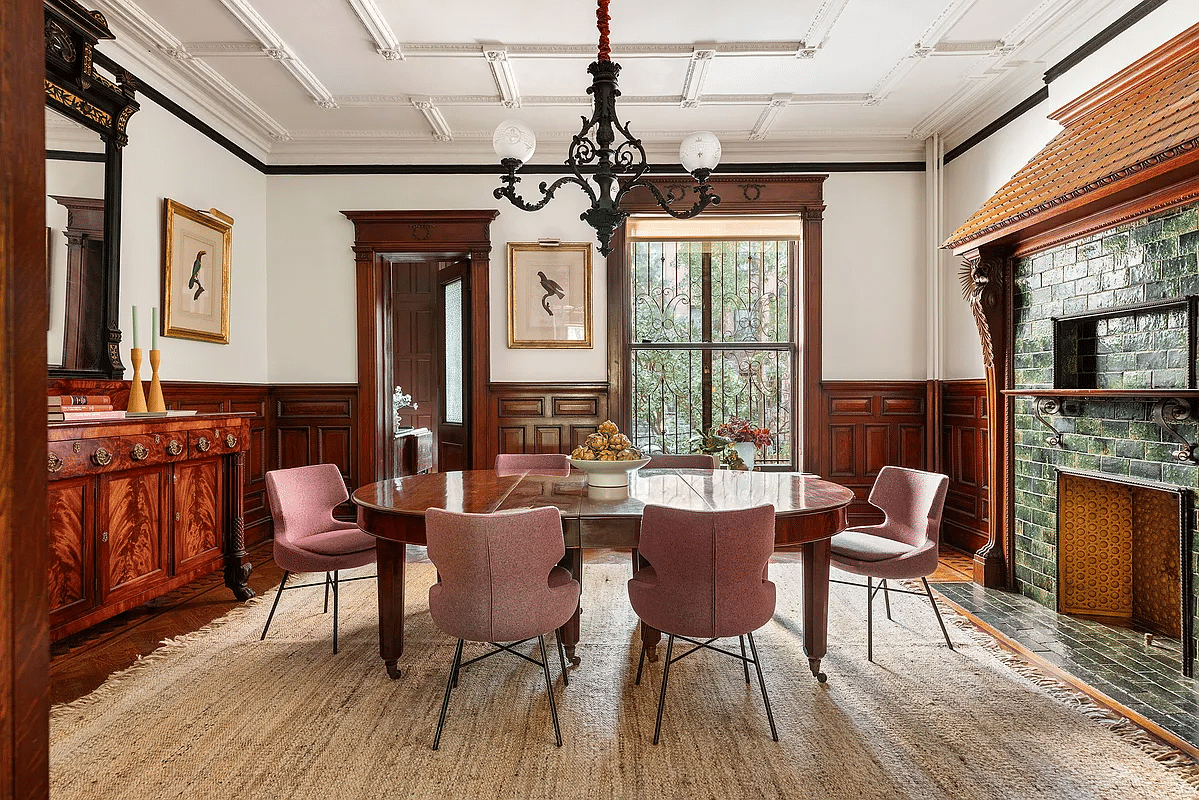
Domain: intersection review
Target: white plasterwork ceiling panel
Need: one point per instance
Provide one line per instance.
(196, 20)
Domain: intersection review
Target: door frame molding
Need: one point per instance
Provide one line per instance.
(377, 233)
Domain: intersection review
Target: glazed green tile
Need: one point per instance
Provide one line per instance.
(1128, 449)
(1160, 250)
(1148, 232)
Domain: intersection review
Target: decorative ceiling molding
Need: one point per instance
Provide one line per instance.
(769, 114)
(456, 50)
(980, 48)
(501, 71)
(371, 17)
(219, 98)
(697, 73)
(277, 49)
(218, 49)
(822, 25)
(441, 128)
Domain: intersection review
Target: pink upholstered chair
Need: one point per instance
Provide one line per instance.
(903, 546)
(681, 461)
(555, 465)
(497, 581)
(706, 579)
(307, 537)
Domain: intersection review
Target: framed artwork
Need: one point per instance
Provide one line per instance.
(195, 286)
(549, 294)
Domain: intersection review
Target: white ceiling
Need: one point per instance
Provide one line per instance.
(388, 81)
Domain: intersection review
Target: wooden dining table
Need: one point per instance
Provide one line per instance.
(808, 511)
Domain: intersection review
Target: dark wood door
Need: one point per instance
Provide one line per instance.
(454, 367)
(414, 339)
(71, 575)
(197, 528)
(132, 524)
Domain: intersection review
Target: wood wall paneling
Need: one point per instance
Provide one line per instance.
(964, 443)
(544, 417)
(865, 426)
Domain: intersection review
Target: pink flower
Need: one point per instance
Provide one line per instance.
(740, 430)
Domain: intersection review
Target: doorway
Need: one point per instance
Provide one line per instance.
(429, 356)
(380, 239)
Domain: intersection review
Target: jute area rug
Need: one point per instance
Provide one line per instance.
(219, 714)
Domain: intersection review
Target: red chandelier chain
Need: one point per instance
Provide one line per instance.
(601, 17)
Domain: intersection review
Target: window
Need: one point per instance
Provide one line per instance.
(713, 330)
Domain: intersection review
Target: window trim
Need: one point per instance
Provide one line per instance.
(802, 195)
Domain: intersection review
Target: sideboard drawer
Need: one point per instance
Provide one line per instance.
(71, 459)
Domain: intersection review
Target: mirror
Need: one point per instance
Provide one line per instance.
(86, 117)
(75, 159)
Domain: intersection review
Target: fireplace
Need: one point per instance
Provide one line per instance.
(1121, 547)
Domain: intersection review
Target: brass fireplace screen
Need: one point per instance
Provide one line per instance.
(1121, 546)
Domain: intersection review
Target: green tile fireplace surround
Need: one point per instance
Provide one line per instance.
(1126, 294)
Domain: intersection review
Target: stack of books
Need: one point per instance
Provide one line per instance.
(77, 407)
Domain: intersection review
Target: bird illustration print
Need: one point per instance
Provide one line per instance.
(551, 288)
(195, 281)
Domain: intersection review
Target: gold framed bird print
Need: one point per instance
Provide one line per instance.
(549, 294)
(198, 249)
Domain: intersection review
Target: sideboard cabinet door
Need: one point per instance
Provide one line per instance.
(132, 527)
(72, 577)
(197, 527)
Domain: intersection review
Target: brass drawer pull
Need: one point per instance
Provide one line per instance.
(202, 444)
(139, 452)
(54, 463)
(174, 448)
(230, 441)
(101, 458)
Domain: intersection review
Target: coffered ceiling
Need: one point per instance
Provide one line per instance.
(395, 81)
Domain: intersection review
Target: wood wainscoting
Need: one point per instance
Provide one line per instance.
(865, 426)
(964, 452)
(291, 425)
(544, 417)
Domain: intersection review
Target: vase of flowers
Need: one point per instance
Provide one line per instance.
(400, 400)
(745, 438)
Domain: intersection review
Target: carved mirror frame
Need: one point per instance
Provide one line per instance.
(76, 90)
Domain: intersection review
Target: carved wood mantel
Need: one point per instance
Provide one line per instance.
(987, 286)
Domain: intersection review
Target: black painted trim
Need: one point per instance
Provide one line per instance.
(1092, 45)
(74, 155)
(1088, 48)
(1032, 101)
(560, 169)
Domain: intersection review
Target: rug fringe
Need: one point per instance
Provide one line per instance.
(166, 649)
(1181, 763)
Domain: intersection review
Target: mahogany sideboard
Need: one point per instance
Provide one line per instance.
(139, 507)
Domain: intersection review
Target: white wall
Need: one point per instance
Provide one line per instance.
(311, 271)
(874, 286)
(168, 158)
(873, 309)
(973, 177)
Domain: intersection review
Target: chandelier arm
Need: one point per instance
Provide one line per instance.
(704, 190)
(508, 190)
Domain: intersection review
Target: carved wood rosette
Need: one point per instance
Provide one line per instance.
(986, 285)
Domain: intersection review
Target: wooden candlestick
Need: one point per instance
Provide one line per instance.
(137, 398)
(156, 402)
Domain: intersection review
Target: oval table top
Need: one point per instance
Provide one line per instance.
(483, 491)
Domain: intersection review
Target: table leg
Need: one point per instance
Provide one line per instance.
(573, 561)
(815, 604)
(391, 559)
(649, 636)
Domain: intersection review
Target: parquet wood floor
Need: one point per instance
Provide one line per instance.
(80, 663)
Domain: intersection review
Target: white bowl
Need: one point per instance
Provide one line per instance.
(608, 473)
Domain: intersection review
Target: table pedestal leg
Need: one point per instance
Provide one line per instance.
(572, 561)
(649, 636)
(815, 604)
(391, 559)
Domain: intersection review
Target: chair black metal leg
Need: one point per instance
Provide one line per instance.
(561, 656)
(328, 579)
(869, 621)
(744, 661)
(449, 684)
(334, 612)
(549, 689)
(274, 605)
(758, 666)
(640, 664)
(886, 597)
(936, 611)
(662, 695)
